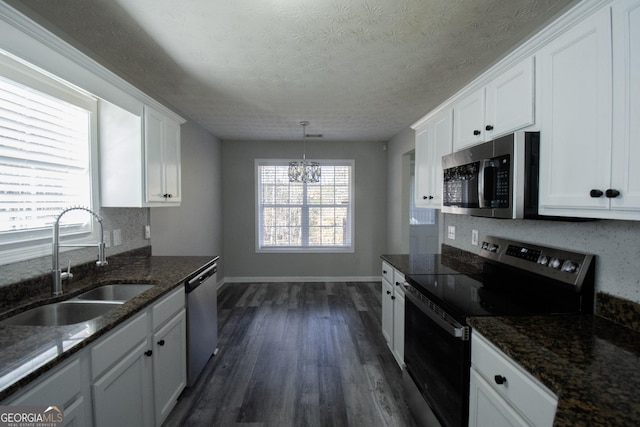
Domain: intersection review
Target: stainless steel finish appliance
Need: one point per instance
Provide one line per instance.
(202, 320)
(496, 179)
(517, 278)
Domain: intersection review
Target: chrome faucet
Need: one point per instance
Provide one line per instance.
(57, 275)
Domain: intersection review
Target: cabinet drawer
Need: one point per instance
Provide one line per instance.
(167, 307)
(59, 388)
(118, 344)
(527, 394)
(398, 280)
(387, 272)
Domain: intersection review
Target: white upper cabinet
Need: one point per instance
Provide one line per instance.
(433, 140)
(625, 176)
(504, 105)
(162, 149)
(590, 90)
(139, 157)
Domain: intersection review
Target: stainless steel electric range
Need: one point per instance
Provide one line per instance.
(516, 278)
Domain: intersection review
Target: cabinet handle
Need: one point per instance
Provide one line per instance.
(499, 379)
(611, 193)
(476, 132)
(595, 193)
(161, 342)
(397, 283)
(393, 297)
(488, 127)
(148, 353)
(388, 292)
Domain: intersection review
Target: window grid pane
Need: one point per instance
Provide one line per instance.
(298, 215)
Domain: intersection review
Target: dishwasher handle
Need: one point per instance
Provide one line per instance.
(200, 278)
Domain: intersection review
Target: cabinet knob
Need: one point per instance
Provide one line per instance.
(161, 342)
(167, 195)
(393, 297)
(388, 292)
(148, 353)
(397, 283)
(595, 193)
(499, 379)
(384, 271)
(488, 127)
(611, 193)
(476, 132)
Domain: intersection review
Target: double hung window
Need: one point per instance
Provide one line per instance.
(46, 133)
(304, 217)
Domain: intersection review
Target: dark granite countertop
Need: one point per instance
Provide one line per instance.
(446, 263)
(591, 364)
(29, 351)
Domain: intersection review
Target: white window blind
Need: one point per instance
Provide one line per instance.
(45, 144)
(304, 216)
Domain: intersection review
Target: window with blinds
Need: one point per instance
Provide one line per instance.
(307, 217)
(45, 158)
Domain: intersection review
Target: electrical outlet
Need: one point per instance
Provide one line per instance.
(117, 237)
(451, 232)
(474, 237)
(147, 232)
(106, 236)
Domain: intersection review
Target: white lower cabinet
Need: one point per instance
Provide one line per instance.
(122, 396)
(501, 393)
(169, 365)
(132, 376)
(62, 388)
(140, 369)
(393, 311)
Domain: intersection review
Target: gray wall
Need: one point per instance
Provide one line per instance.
(398, 158)
(238, 176)
(195, 227)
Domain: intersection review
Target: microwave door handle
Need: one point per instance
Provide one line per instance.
(481, 199)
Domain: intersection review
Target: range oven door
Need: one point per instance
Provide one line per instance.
(437, 358)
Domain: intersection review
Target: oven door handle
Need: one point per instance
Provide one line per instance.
(436, 315)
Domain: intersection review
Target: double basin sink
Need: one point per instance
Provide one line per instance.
(86, 306)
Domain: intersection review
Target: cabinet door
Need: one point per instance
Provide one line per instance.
(398, 328)
(171, 159)
(169, 365)
(387, 312)
(488, 408)
(154, 136)
(626, 109)
(509, 103)
(122, 396)
(575, 129)
(422, 174)
(433, 141)
(468, 121)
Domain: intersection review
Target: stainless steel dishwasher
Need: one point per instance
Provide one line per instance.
(202, 320)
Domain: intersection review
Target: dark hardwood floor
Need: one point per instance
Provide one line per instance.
(298, 354)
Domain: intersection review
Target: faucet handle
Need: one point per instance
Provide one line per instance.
(67, 274)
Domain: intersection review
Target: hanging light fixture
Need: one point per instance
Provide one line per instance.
(304, 170)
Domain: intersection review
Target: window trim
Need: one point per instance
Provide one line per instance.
(13, 68)
(305, 249)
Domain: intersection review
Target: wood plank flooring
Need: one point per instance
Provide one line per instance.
(298, 354)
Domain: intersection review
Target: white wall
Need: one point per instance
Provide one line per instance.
(238, 177)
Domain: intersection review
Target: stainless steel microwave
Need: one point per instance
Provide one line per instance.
(497, 179)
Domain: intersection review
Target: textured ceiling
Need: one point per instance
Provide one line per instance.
(252, 69)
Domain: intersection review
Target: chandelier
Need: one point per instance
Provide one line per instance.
(304, 170)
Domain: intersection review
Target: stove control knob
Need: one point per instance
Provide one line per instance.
(555, 263)
(493, 248)
(570, 266)
(544, 260)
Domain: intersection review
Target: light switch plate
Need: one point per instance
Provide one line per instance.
(474, 237)
(106, 236)
(117, 237)
(147, 232)
(451, 232)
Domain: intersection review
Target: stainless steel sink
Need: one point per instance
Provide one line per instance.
(61, 313)
(117, 292)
